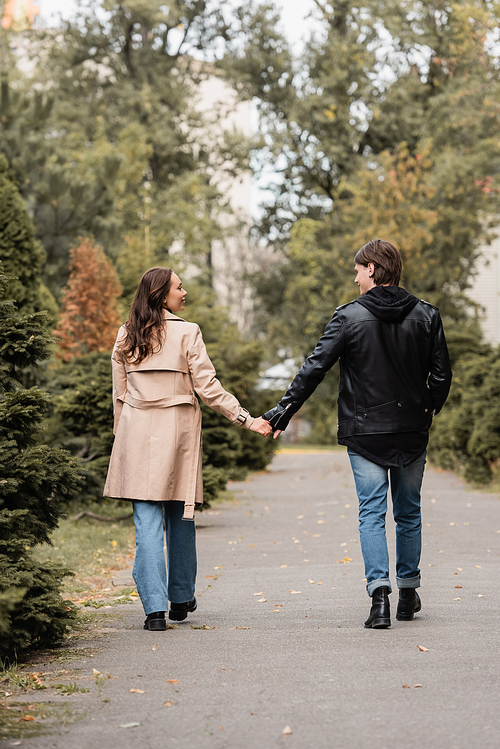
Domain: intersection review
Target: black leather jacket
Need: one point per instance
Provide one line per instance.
(394, 367)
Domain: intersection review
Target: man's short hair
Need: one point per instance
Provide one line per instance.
(386, 260)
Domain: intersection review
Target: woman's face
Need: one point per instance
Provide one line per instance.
(176, 297)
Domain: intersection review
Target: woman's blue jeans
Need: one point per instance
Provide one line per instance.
(372, 484)
(150, 570)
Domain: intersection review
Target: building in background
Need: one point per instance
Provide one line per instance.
(485, 290)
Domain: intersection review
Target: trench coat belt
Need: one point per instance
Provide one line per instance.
(170, 400)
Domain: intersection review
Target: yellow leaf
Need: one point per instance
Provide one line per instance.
(283, 565)
(262, 600)
(168, 703)
(138, 691)
(421, 647)
(417, 685)
(258, 594)
(287, 731)
(293, 592)
(172, 681)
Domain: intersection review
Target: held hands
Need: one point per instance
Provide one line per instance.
(261, 426)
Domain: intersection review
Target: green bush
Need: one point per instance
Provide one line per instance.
(35, 480)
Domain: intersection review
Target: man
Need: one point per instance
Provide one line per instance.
(395, 376)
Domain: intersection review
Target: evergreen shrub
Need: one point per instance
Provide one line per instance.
(35, 479)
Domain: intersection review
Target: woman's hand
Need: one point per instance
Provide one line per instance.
(261, 426)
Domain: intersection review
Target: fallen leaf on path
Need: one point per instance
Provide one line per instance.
(138, 691)
(457, 599)
(208, 575)
(458, 586)
(421, 647)
(258, 594)
(241, 627)
(460, 569)
(168, 703)
(262, 600)
(345, 560)
(154, 647)
(172, 681)
(320, 582)
(316, 535)
(406, 686)
(480, 595)
(287, 731)
(26, 718)
(129, 725)
(311, 581)
(278, 610)
(96, 672)
(294, 592)
(283, 565)
(320, 522)
(477, 565)
(452, 523)
(417, 685)
(201, 626)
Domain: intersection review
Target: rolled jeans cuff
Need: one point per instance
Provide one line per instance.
(380, 583)
(408, 582)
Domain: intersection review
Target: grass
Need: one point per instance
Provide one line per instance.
(95, 550)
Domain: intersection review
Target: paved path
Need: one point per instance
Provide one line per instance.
(282, 603)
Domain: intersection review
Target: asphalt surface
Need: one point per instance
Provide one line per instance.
(277, 643)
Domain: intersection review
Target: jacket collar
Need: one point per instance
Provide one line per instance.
(170, 316)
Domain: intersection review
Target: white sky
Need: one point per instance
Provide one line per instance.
(293, 13)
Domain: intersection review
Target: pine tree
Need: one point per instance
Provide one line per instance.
(35, 480)
(20, 254)
(89, 314)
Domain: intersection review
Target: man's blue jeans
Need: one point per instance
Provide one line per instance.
(372, 484)
(150, 572)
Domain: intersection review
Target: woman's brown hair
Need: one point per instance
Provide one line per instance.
(386, 260)
(145, 321)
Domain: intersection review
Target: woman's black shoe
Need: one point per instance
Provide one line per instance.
(408, 605)
(156, 621)
(380, 612)
(179, 611)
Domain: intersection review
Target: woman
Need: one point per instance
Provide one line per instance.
(159, 360)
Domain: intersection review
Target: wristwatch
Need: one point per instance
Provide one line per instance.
(242, 416)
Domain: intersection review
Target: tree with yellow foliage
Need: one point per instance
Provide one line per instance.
(89, 313)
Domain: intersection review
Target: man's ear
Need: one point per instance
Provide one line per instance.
(371, 270)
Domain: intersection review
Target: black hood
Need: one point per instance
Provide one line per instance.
(388, 303)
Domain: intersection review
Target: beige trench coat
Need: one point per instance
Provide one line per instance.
(157, 450)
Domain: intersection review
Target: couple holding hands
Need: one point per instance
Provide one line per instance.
(394, 377)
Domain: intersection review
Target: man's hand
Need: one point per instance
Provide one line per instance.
(261, 426)
(277, 434)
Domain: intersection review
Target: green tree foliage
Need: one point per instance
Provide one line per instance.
(35, 479)
(386, 125)
(20, 254)
(119, 148)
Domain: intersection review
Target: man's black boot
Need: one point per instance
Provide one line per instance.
(156, 621)
(179, 611)
(408, 604)
(380, 612)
